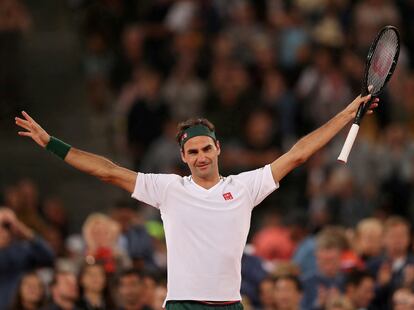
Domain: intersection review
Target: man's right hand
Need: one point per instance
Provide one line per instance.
(34, 131)
(8, 217)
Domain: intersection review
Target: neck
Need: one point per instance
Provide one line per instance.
(207, 182)
(93, 298)
(64, 303)
(29, 305)
(136, 306)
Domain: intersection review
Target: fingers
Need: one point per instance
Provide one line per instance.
(22, 123)
(25, 134)
(27, 116)
(366, 98)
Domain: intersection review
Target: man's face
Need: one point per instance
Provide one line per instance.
(370, 241)
(328, 261)
(201, 155)
(286, 294)
(363, 294)
(397, 239)
(94, 278)
(66, 287)
(403, 299)
(31, 289)
(130, 289)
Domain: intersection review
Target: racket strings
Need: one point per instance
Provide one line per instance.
(382, 60)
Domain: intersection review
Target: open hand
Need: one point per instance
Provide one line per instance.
(34, 131)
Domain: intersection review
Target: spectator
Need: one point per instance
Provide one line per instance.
(30, 294)
(273, 241)
(14, 21)
(162, 155)
(403, 299)
(327, 280)
(257, 146)
(266, 288)
(94, 288)
(101, 235)
(183, 91)
(287, 292)
(64, 291)
(360, 289)
(21, 250)
(135, 239)
(130, 290)
(392, 267)
(368, 238)
(147, 114)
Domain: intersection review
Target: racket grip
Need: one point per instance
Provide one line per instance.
(346, 149)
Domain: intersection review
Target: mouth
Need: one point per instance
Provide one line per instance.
(202, 167)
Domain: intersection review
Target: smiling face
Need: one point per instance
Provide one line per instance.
(201, 155)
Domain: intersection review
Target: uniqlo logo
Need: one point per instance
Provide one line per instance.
(227, 196)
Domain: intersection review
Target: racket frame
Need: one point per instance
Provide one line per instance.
(363, 108)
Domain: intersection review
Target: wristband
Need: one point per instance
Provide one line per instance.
(58, 147)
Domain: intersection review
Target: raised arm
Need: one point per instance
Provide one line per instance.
(318, 138)
(89, 163)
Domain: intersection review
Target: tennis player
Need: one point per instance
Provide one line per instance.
(206, 216)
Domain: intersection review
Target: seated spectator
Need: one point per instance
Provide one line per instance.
(259, 143)
(328, 279)
(94, 291)
(253, 273)
(391, 267)
(20, 251)
(64, 291)
(101, 235)
(147, 115)
(266, 288)
(130, 291)
(30, 294)
(368, 238)
(360, 289)
(273, 240)
(134, 239)
(287, 292)
(403, 299)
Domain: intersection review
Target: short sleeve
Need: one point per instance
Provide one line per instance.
(260, 183)
(150, 188)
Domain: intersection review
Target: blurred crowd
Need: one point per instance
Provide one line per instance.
(265, 72)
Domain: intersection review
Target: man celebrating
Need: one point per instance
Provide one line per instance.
(206, 216)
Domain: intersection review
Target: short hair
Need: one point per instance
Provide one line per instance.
(332, 237)
(396, 220)
(126, 273)
(57, 273)
(181, 127)
(356, 277)
(369, 224)
(292, 278)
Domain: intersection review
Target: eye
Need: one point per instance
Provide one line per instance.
(208, 149)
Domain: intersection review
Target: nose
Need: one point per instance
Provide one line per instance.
(201, 157)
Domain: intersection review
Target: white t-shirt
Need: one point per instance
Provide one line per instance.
(205, 229)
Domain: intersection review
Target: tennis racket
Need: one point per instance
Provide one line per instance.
(380, 65)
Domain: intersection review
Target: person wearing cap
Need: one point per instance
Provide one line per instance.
(206, 216)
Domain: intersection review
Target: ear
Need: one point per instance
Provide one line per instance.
(183, 156)
(218, 147)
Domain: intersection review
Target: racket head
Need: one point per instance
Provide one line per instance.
(381, 60)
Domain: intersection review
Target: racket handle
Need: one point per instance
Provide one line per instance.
(346, 149)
